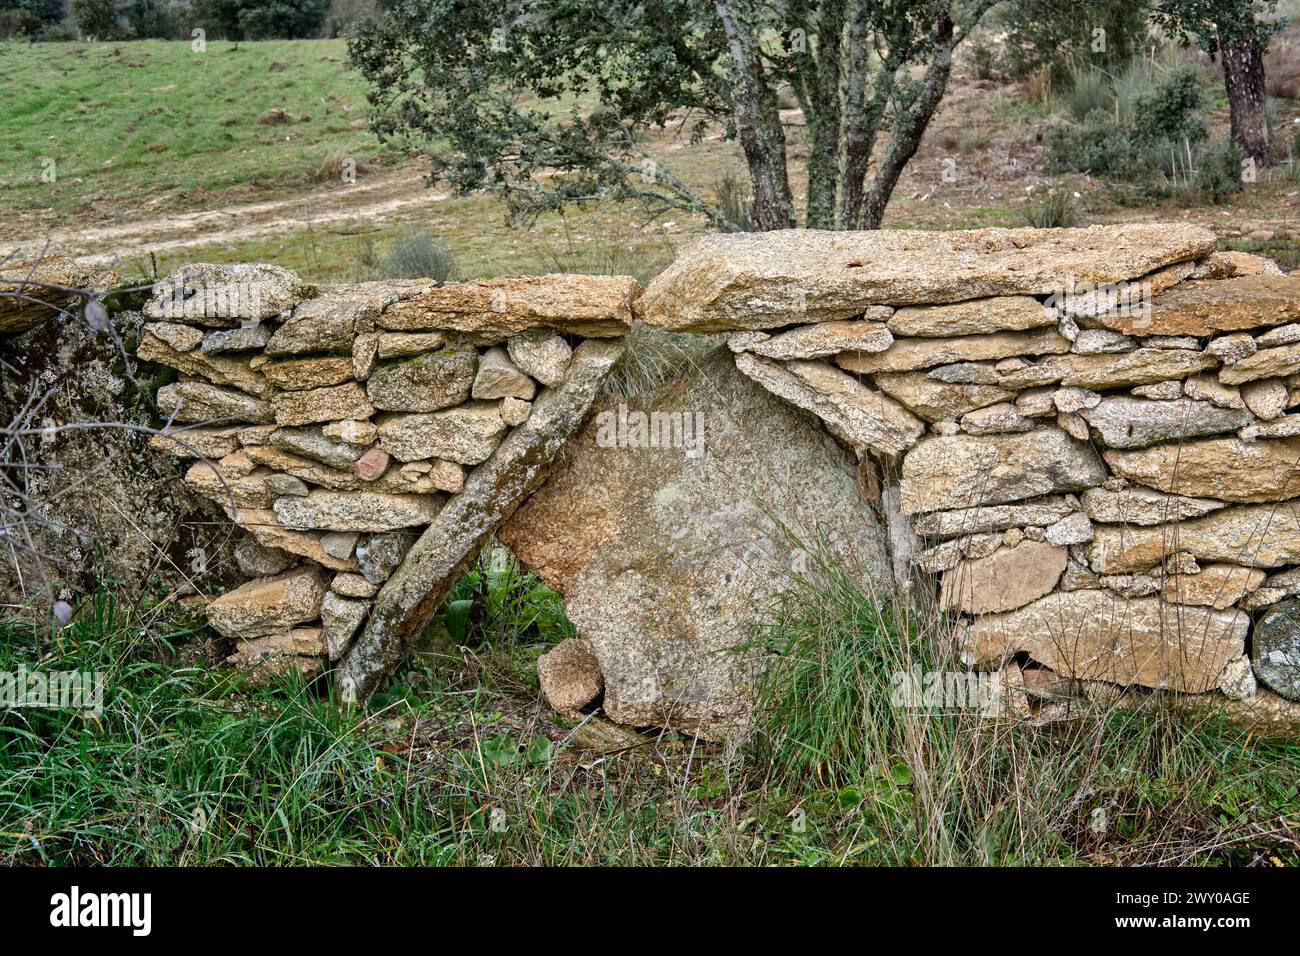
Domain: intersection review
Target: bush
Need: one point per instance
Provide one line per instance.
(415, 255)
(261, 19)
(19, 24)
(1058, 37)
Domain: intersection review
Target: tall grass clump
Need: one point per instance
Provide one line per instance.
(415, 254)
(1112, 779)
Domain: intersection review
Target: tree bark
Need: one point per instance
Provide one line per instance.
(1243, 77)
(910, 127)
(824, 123)
(758, 126)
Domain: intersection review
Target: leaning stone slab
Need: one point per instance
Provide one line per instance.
(769, 279)
(1203, 307)
(1124, 422)
(1225, 468)
(1261, 536)
(491, 494)
(596, 306)
(908, 354)
(945, 472)
(356, 511)
(861, 416)
(269, 605)
(1098, 635)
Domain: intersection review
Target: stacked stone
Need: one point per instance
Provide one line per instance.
(334, 425)
(1106, 483)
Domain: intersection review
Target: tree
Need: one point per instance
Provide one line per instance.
(1235, 32)
(261, 19)
(548, 104)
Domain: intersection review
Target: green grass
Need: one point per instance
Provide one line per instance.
(457, 762)
(155, 126)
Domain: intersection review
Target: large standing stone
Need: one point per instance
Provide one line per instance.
(596, 306)
(861, 416)
(426, 383)
(1098, 635)
(269, 605)
(356, 511)
(1261, 536)
(491, 494)
(1276, 654)
(1008, 578)
(467, 435)
(1124, 422)
(961, 471)
(1225, 468)
(625, 535)
(768, 279)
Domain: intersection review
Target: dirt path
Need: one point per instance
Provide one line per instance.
(375, 198)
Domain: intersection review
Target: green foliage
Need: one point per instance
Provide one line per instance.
(1061, 36)
(261, 19)
(1132, 126)
(19, 24)
(415, 254)
(1208, 22)
(1056, 209)
(98, 18)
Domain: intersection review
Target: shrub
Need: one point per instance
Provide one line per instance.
(19, 24)
(415, 255)
(1057, 37)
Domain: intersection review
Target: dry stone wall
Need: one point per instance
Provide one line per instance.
(1093, 431)
(1086, 443)
(354, 430)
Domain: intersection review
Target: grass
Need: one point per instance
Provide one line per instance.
(459, 763)
(154, 126)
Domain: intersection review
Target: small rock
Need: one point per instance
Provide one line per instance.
(401, 344)
(340, 620)
(1182, 342)
(1102, 341)
(258, 561)
(514, 411)
(1206, 389)
(246, 338)
(995, 419)
(1267, 398)
(351, 432)
(966, 373)
(268, 606)
(1068, 401)
(371, 465)
(1072, 529)
(498, 377)
(1037, 402)
(339, 544)
(1237, 679)
(353, 585)
(570, 676)
(1074, 426)
(287, 485)
(1160, 391)
(378, 555)
(1231, 349)
(182, 338)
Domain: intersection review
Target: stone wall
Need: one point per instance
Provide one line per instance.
(354, 430)
(1090, 429)
(1082, 441)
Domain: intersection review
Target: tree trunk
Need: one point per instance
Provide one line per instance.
(758, 125)
(824, 122)
(1243, 76)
